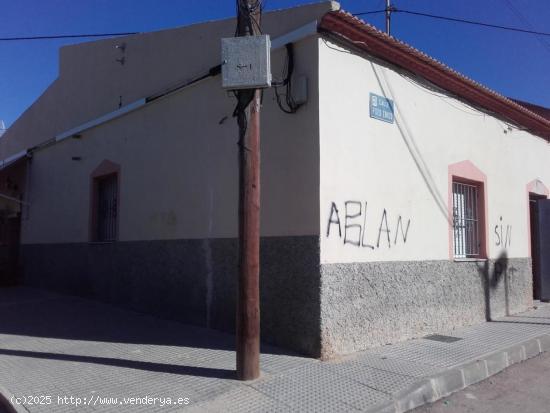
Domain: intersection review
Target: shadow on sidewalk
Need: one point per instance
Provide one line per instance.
(30, 314)
(133, 364)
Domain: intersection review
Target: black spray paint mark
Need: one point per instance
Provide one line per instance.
(405, 233)
(363, 244)
(355, 229)
(502, 239)
(331, 220)
(384, 221)
(349, 205)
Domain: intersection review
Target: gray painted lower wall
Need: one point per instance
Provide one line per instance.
(371, 304)
(193, 281)
(318, 310)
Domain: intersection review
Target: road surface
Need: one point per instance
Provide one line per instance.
(523, 388)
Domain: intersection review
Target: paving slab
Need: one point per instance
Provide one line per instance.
(65, 354)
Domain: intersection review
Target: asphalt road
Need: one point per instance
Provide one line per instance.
(522, 388)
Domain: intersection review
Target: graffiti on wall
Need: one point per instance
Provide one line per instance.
(351, 223)
(503, 234)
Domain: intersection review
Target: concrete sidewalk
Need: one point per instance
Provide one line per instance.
(53, 347)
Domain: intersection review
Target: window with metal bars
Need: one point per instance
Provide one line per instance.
(106, 208)
(466, 220)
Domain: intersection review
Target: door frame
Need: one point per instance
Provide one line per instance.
(536, 190)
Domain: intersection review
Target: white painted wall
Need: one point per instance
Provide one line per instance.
(405, 170)
(178, 157)
(92, 82)
(178, 168)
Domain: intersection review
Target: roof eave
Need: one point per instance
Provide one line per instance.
(376, 43)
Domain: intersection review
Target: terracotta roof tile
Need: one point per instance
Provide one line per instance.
(377, 43)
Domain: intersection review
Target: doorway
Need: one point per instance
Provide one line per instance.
(539, 215)
(10, 227)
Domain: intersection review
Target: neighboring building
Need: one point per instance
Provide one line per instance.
(395, 202)
(12, 173)
(544, 112)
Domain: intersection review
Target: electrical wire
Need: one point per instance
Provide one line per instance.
(247, 11)
(65, 36)
(520, 16)
(458, 20)
(251, 21)
(433, 90)
(447, 98)
(289, 106)
(259, 5)
(364, 13)
(335, 48)
(444, 97)
(477, 23)
(246, 24)
(212, 72)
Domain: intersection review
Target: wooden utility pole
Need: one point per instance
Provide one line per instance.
(248, 290)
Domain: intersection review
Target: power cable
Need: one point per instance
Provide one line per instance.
(65, 36)
(259, 4)
(246, 25)
(520, 15)
(291, 106)
(364, 13)
(454, 19)
(445, 96)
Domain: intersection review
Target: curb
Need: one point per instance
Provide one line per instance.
(435, 387)
(6, 405)
(427, 389)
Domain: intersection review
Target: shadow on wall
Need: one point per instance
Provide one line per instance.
(190, 281)
(491, 278)
(30, 312)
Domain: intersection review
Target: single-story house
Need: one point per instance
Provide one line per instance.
(399, 198)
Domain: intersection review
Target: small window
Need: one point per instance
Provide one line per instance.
(466, 220)
(106, 208)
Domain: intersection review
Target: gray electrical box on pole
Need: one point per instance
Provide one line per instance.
(246, 62)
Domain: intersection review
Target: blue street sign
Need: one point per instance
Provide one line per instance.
(381, 108)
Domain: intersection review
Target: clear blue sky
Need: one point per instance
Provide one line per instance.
(514, 64)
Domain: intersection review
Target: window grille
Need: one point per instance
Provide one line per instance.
(107, 194)
(466, 220)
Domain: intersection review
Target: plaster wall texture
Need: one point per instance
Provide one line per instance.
(176, 254)
(179, 168)
(403, 167)
(366, 305)
(178, 183)
(380, 287)
(91, 82)
(193, 281)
